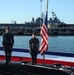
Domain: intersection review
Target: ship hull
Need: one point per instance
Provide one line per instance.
(65, 59)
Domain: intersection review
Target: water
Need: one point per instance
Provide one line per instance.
(56, 43)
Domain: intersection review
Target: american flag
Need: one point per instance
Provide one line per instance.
(44, 35)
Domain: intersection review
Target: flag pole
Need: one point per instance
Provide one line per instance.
(40, 11)
(47, 26)
(43, 57)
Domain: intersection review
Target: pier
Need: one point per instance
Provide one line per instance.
(23, 29)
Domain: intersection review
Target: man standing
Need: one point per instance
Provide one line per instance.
(33, 47)
(8, 41)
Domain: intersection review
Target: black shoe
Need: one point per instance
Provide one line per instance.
(6, 63)
(33, 63)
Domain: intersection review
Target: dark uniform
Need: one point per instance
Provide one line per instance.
(8, 41)
(34, 45)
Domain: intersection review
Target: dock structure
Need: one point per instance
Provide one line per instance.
(25, 29)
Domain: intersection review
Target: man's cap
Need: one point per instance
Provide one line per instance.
(34, 33)
(7, 28)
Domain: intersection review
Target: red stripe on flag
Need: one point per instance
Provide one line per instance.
(44, 41)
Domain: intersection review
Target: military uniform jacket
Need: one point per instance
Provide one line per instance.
(34, 44)
(8, 40)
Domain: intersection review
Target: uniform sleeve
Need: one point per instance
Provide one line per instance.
(29, 44)
(3, 40)
(12, 40)
(38, 42)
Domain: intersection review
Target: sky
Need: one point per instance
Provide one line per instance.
(23, 10)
